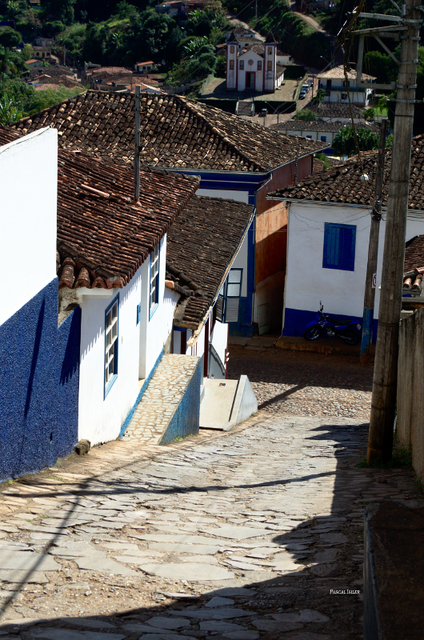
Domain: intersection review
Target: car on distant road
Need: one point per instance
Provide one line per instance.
(302, 94)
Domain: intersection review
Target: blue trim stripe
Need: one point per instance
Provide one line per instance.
(140, 395)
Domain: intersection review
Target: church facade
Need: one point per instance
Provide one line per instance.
(255, 67)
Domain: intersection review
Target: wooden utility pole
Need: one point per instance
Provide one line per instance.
(368, 317)
(137, 145)
(380, 439)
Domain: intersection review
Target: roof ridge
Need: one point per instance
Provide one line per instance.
(217, 131)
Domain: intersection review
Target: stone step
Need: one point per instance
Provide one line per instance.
(169, 407)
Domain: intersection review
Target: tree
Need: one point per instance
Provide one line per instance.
(305, 114)
(7, 64)
(9, 37)
(319, 97)
(9, 111)
(344, 141)
(62, 10)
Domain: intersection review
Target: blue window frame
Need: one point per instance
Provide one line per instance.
(339, 246)
(323, 138)
(154, 280)
(111, 344)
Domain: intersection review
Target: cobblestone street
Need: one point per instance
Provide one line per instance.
(252, 534)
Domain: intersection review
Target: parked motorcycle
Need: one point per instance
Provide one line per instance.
(324, 324)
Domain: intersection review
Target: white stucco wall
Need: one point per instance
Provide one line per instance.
(155, 328)
(250, 68)
(219, 339)
(100, 418)
(307, 282)
(239, 196)
(28, 214)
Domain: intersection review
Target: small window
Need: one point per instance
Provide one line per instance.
(269, 65)
(232, 48)
(344, 96)
(231, 65)
(339, 246)
(259, 65)
(323, 138)
(310, 137)
(234, 283)
(111, 344)
(154, 280)
(241, 65)
(270, 51)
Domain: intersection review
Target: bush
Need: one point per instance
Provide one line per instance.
(305, 114)
(9, 38)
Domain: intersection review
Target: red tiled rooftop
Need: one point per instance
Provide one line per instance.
(177, 133)
(344, 183)
(102, 236)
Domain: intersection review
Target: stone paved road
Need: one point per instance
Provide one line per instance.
(242, 535)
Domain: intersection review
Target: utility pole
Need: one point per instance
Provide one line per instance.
(370, 284)
(137, 145)
(380, 439)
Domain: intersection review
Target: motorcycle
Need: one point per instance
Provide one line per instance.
(324, 324)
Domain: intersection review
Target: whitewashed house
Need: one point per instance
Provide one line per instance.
(329, 217)
(333, 82)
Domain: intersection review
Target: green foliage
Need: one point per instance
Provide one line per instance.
(9, 110)
(62, 10)
(7, 63)
(401, 459)
(28, 101)
(381, 66)
(319, 96)
(344, 141)
(321, 156)
(9, 37)
(389, 141)
(305, 114)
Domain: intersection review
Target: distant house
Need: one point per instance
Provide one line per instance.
(336, 112)
(144, 67)
(233, 158)
(33, 62)
(333, 82)
(254, 67)
(316, 129)
(328, 234)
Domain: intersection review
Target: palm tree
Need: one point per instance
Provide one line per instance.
(7, 66)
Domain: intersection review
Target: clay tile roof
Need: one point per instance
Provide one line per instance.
(318, 125)
(338, 72)
(176, 133)
(335, 110)
(414, 255)
(201, 245)
(102, 236)
(343, 183)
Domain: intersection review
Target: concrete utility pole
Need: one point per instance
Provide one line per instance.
(368, 317)
(380, 439)
(137, 145)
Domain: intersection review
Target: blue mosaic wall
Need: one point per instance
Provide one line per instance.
(39, 382)
(185, 421)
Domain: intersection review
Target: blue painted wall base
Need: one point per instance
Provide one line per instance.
(186, 419)
(39, 385)
(295, 321)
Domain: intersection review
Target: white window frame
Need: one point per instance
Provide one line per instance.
(111, 345)
(154, 280)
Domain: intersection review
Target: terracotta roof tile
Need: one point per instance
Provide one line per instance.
(335, 110)
(102, 236)
(176, 133)
(202, 243)
(318, 125)
(338, 72)
(343, 183)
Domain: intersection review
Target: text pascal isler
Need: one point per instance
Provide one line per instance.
(344, 592)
